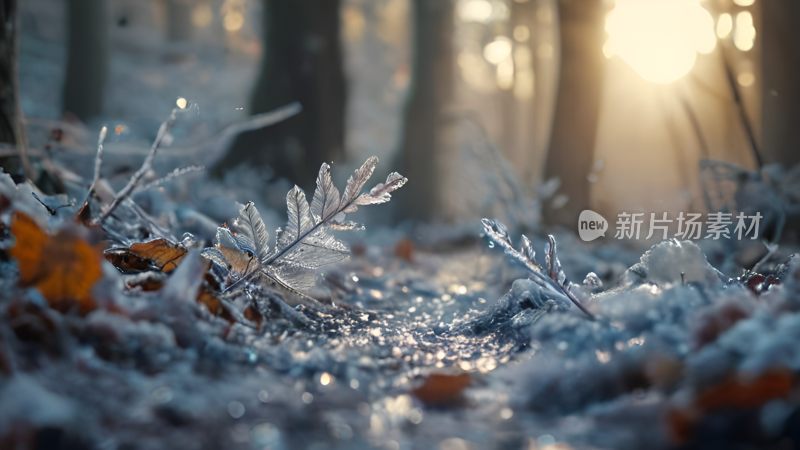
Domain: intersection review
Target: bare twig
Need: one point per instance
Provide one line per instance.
(146, 166)
(179, 172)
(772, 248)
(98, 162)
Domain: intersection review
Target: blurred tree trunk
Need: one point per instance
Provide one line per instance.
(179, 20)
(425, 143)
(87, 58)
(780, 56)
(11, 131)
(302, 62)
(520, 111)
(580, 82)
(8, 66)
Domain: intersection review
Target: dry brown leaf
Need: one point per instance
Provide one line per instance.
(63, 267)
(442, 389)
(163, 254)
(404, 249)
(127, 262)
(734, 393)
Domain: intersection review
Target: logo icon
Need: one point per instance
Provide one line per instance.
(591, 225)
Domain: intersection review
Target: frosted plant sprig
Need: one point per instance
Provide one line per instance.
(147, 164)
(550, 277)
(305, 244)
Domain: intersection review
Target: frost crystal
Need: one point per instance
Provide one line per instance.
(306, 243)
(550, 278)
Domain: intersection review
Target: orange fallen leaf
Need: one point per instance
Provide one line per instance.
(441, 389)
(404, 249)
(63, 267)
(165, 255)
(732, 393)
(737, 393)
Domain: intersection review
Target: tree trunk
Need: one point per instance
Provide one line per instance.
(11, 131)
(425, 142)
(179, 20)
(571, 151)
(302, 62)
(87, 58)
(780, 56)
(8, 67)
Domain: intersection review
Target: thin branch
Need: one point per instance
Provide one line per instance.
(741, 110)
(147, 165)
(98, 163)
(179, 172)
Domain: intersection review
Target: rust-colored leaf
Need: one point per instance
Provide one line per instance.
(731, 394)
(63, 267)
(442, 389)
(738, 393)
(163, 254)
(127, 262)
(404, 249)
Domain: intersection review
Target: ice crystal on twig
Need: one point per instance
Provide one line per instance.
(550, 277)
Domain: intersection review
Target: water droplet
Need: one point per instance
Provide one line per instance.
(236, 409)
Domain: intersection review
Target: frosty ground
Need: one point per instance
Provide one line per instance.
(435, 340)
(679, 354)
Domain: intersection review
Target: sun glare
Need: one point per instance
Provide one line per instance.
(659, 39)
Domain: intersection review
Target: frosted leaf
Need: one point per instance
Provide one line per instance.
(300, 221)
(554, 270)
(527, 248)
(250, 226)
(382, 192)
(356, 183)
(345, 226)
(305, 243)
(215, 256)
(551, 279)
(325, 203)
(316, 250)
(225, 239)
(497, 233)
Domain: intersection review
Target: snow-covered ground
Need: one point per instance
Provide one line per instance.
(435, 340)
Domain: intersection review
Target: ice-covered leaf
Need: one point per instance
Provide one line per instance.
(554, 270)
(300, 221)
(497, 233)
(527, 249)
(382, 192)
(305, 243)
(325, 203)
(250, 226)
(316, 250)
(240, 259)
(356, 183)
(347, 225)
(551, 278)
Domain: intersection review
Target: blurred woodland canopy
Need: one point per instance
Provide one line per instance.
(556, 105)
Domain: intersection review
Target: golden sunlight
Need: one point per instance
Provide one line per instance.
(659, 39)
